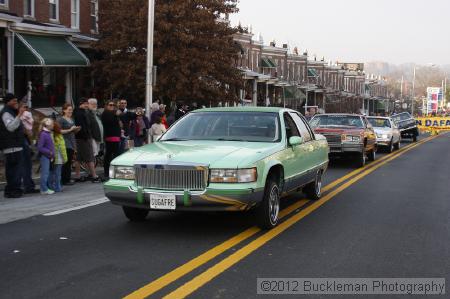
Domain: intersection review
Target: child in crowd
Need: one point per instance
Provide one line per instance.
(157, 129)
(59, 160)
(46, 149)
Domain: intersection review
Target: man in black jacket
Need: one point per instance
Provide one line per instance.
(85, 152)
(12, 139)
(125, 117)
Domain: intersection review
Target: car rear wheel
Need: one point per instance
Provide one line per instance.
(268, 211)
(135, 214)
(415, 138)
(314, 189)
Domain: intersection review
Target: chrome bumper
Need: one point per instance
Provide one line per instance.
(346, 148)
(208, 200)
(383, 142)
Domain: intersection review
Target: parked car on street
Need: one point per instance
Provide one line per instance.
(407, 125)
(347, 135)
(388, 134)
(222, 159)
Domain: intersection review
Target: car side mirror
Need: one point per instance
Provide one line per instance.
(295, 140)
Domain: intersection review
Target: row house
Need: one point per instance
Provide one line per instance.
(334, 87)
(277, 76)
(46, 49)
(376, 97)
(317, 72)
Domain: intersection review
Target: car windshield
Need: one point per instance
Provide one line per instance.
(336, 121)
(380, 122)
(401, 117)
(226, 126)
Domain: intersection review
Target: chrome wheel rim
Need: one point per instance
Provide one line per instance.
(274, 205)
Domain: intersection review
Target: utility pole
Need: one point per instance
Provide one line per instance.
(444, 100)
(307, 82)
(149, 69)
(413, 92)
(401, 90)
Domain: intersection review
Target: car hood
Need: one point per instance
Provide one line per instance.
(338, 130)
(219, 154)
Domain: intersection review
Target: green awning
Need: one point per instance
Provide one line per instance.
(380, 105)
(265, 63)
(272, 62)
(292, 92)
(312, 73)
(40, 50)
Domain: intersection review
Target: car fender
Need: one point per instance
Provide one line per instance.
(265, 166)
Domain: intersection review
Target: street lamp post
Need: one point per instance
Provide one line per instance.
(149, 69)
(413, 92)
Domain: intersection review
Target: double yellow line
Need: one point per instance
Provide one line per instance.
(206, 276)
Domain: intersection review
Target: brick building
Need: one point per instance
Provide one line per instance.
(45, 49)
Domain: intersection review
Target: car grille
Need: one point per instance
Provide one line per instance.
(333, 139)
(172, 179)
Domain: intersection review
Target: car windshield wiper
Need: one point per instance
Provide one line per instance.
(174, 139)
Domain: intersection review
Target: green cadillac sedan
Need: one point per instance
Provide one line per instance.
(222, 159)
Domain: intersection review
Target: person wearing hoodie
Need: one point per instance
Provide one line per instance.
(46, 149)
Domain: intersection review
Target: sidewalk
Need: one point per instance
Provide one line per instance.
(35, 174)
(32, 205)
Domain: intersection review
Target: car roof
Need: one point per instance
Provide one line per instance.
(340, 114)
(243, 109)
(383, 117)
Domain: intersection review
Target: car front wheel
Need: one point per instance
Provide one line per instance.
(360, 159)
(391, 146)
(268, 211)
(372, 155)
(135, 214)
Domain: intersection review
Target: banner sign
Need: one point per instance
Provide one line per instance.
(433, 123)
(434, 99)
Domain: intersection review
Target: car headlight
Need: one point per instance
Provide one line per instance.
(121, 172)
(384, 136)
(233, 175)
(351, 138)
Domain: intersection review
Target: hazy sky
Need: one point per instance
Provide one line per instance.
(396, 31)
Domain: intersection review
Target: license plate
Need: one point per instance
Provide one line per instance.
(163, 201)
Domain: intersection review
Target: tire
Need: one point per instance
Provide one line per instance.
(135, 214)
(397, 146)
(415, 138)
(360, 160)
(268, 211)
(391, 146)
(314, 189)
(372, 155)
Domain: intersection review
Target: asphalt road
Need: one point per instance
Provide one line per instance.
(391, 219)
